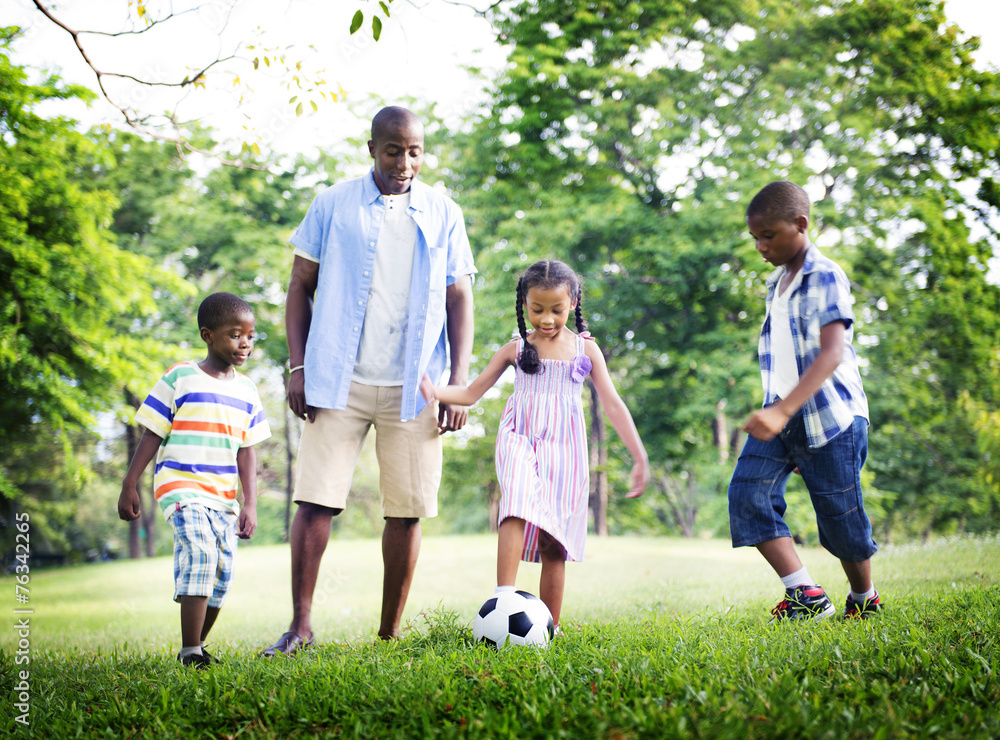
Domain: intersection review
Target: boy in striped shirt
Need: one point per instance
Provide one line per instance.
(201, 421)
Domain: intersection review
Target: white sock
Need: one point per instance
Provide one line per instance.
(503, 589)
(862, 598)
(185, 651)
(798, 578)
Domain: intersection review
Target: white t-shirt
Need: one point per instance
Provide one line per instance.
(383, 335)
(786, 368)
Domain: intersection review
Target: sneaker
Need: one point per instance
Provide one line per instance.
(868, 608)
(211, 658)
(199, 662)
(803, 602)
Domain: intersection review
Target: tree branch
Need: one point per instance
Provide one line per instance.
(132, 121)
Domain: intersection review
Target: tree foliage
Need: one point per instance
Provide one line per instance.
(68, 294)
(626, 138)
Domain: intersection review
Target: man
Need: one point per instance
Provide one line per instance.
(381, 289)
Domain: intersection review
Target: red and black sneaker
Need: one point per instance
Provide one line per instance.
(863, 610)
(803, 602)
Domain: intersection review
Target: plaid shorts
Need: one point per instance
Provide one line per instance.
(204, 552)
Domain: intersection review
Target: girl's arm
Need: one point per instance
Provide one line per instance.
(468, 395)
(620, 418)
(246, 466)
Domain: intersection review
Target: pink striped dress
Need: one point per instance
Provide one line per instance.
(541, 455)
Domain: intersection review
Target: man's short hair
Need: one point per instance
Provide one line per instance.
(779, 201)
(390, 118)
(219, 308)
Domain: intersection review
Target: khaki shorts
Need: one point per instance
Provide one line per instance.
(409, 453)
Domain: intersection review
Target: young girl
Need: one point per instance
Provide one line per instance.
(541, 449)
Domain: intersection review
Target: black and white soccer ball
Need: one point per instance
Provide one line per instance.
(513, 618)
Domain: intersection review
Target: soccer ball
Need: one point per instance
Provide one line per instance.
(513, 618)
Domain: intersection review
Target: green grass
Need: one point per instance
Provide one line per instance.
(663, 638)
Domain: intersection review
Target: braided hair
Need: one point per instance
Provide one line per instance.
(547, 274)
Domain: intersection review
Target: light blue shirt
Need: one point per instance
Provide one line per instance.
(340, 230)
(823, 296)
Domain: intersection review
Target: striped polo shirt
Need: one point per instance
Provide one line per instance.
(203, 421)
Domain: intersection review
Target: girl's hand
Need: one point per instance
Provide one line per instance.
(639, 479)
(427, 389)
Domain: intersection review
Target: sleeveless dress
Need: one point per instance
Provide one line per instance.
(541, 454)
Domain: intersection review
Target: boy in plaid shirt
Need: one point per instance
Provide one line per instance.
(814, 419)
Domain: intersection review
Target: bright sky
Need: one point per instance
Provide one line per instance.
(421, 55)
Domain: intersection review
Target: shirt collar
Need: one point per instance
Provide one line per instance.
(418, 193)
(808, 264)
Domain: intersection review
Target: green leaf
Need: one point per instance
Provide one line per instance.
(385, 9)
(356, 22)
(376, 27)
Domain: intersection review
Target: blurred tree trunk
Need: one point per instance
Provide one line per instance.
(493, 496)
(719, 434)
(134, 540)
(598, 463)
(149, 514)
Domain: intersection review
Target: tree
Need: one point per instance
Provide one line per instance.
(68, 294)
(239, 62)
(626, 138)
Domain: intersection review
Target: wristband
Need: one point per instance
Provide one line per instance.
(297, 367)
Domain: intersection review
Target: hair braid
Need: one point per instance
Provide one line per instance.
(581, 323)
(528, 361)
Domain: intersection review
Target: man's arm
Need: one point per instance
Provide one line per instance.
(461, 329)
(298, 317)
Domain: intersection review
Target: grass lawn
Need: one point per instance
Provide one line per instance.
(663, 638)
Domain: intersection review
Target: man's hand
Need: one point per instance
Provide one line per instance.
(452, 418)
(297, 396)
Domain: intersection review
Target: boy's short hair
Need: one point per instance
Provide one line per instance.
(219, 308)
(779, 201)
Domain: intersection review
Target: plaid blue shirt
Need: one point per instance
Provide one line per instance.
(824, 296)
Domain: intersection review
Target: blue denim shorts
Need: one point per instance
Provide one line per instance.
(204, 552)
(832, 474)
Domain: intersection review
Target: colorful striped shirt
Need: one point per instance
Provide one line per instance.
(823, 296)
(203, 421)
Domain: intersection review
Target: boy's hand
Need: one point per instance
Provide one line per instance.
(638, 480)
(247, 522)
(765, 424)
(128, 503)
